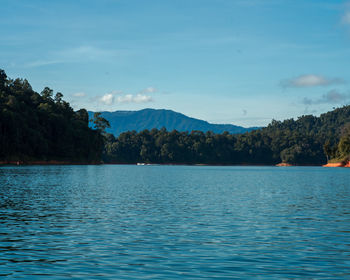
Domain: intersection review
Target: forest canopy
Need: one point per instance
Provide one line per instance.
(309, 140)
(43, 126)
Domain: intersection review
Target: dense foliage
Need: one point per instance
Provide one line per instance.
(307, 140)
(35, 127)
(343, 149)
(41, 126)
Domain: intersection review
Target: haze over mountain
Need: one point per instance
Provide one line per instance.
(122, 121)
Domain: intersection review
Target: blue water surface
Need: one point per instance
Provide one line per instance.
(166, 222)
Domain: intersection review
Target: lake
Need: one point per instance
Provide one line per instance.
(166, 222)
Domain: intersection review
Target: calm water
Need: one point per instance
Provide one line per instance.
(165, 222)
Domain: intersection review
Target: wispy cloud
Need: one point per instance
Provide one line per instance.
(149, 90)
(310, 80)
(86, 52)
(346, 17)
(42, 62)
(252, 3)
(331, 97)
(79, 94)
(74, 55)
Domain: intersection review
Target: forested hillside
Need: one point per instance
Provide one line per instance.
(122, 121)
(41, 127)
(306, 141)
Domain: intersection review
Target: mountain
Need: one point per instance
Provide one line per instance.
(122, 121)
(308, 140)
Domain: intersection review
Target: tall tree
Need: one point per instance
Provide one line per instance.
(100, 123)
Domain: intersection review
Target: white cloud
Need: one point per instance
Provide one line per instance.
(125, 98)
(138, 98)
(79, 94)
(116, 97)
(107, 99)
(310, 80)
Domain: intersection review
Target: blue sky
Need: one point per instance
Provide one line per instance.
(244, 62)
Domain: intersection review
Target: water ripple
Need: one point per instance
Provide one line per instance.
(165, 222)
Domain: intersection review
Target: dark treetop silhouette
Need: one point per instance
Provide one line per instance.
(41, 127)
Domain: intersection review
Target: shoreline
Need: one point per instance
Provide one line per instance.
(48, 163)
(337, 164)
(58, 162)
(45, 162)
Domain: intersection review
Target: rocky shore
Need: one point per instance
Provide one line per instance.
(337, 164)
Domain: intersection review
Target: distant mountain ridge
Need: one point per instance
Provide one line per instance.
(122, 121)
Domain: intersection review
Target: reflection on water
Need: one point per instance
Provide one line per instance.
(108, 222)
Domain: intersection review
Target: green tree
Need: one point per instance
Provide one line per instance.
(47, 93)
(58, 97)
(33, 126)
(100, 123)
(344, 143)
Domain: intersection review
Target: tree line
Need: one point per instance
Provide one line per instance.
(41, 127)
(309, 140)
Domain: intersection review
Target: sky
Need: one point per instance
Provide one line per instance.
(243, 62)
